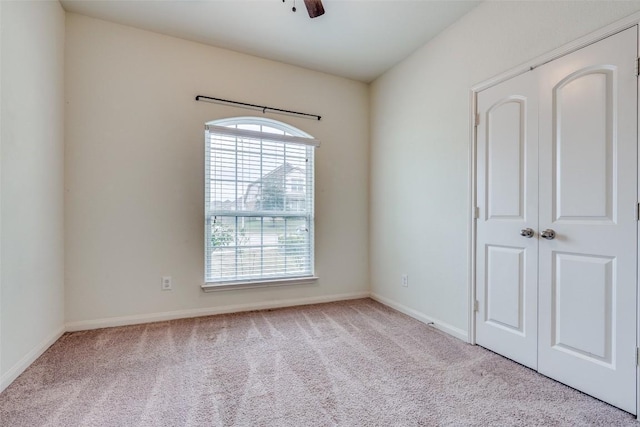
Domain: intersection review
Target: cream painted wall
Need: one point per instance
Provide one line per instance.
(134, 169)
(420, 145)
(31, 165)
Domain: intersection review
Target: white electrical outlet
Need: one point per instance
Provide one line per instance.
(166, 283)
(405, 280)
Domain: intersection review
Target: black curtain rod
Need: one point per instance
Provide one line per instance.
(254, 106)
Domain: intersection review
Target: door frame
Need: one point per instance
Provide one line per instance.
(594, 37)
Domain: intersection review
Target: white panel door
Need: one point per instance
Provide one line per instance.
(507, 193)
(588, 195)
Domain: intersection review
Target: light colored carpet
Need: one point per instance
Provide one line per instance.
(353, 363)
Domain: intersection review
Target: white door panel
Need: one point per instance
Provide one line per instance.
(588, 195)
(508, 201)
(505, 125)
(583, 156)
(503, 303)
(591, 279)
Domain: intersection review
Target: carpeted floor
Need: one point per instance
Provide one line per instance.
(353, 363)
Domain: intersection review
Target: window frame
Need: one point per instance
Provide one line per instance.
(291, 135)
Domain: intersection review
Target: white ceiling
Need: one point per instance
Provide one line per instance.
(358, 39)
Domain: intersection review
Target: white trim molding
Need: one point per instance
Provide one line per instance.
(638, 259)
(29, 358)
(471, 226)
(185, 314)
(216, 287)
(438, 324)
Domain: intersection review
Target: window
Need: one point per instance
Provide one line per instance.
(259, 202)
(297, 185)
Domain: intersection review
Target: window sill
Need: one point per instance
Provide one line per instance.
(214, 287)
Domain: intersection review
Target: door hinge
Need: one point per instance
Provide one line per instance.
(477, 119)
(638, 67)
(637, 211)
(637, 356)
(476, 212)
(476, 306)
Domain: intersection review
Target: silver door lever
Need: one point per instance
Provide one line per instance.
(548, 234)
(527, 232)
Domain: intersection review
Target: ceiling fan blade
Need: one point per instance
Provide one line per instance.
(314, 7)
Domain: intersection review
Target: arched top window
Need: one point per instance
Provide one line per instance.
(260, 124)
(259, 202)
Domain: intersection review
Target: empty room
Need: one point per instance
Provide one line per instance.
(319, 213)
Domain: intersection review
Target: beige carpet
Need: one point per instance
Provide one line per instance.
(354, 363)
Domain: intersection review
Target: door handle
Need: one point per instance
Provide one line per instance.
(527, 232)
(548, 234)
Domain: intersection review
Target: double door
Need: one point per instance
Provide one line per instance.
(557, 238)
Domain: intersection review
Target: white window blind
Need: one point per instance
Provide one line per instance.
(259, 201)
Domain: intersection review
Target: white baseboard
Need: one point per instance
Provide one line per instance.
(183, 314)
(29, 358)
(444, 327)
